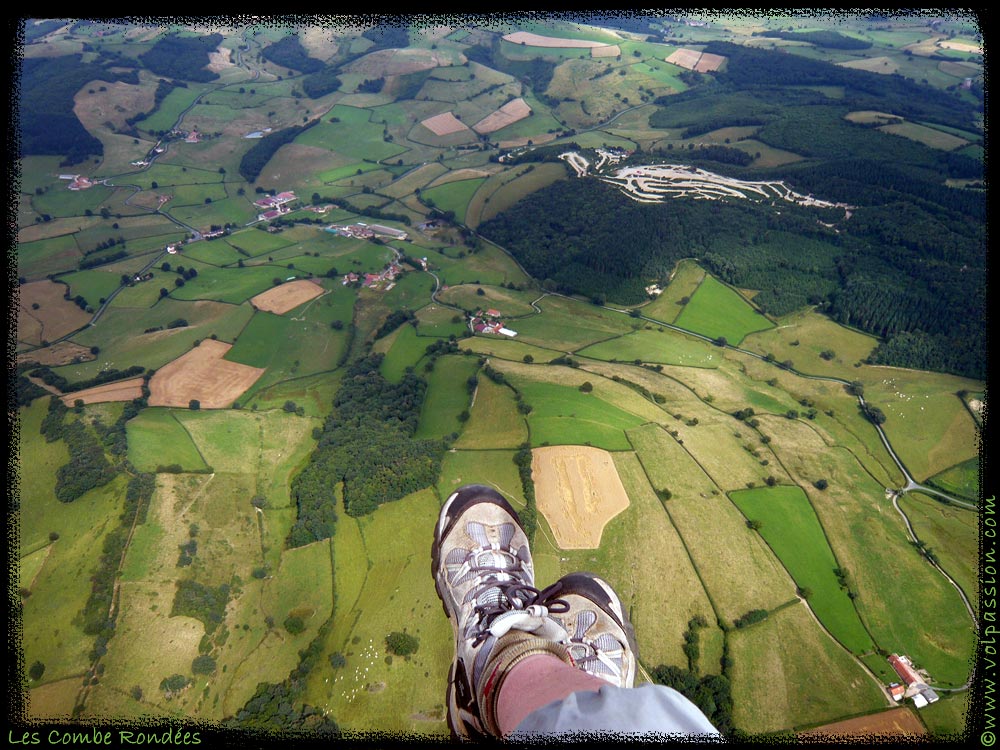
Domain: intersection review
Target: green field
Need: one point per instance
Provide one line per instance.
(790, 527)
(453, 196)
(716, 310)
(403, 349)
(156, 439)
(563, 415)
(784, 651)
(494, 421)
(447, 397)
(961, 480)
(383, 586)
(568, 324)
(650, 345)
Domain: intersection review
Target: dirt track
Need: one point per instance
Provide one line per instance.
(578, 490)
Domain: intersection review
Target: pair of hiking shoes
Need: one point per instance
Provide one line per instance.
(484, 576)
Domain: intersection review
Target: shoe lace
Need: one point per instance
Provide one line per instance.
(497, 596)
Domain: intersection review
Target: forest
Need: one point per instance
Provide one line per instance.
(910, 265)
(175, 56)
(825, 38)
(48, 123)
(367, 445)
(290, 53)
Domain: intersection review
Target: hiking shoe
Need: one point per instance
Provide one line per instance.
(484, 576)
(601, 636)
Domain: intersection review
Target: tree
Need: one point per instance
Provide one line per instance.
(821, 484)
(401, 644)
(586, 387)
(754, 524)
(203, 664)
(528, 359)
(294, 624)
(874, 414)
(194, 404)
(36, 670)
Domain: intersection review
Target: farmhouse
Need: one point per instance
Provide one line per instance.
(916, 687)
(367, 231)
(489, 322)
(273, 213)
(396, 234)
(78, 182)
(276, 201)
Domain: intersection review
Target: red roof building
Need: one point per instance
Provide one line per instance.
(904, 669)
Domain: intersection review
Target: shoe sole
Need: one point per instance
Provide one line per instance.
(451, 511)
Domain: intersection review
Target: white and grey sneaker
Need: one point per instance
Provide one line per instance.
(601, 637)
(484, 576)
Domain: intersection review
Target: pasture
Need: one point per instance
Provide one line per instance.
(961, 480)
(928, 136)
(232, 285)
(802, 336)
(951, 533)
(438, 321)
(447, 397)
(509, 349)
(562, 415)
(61, 582)
(928, 425)
(791, 529)
(381, 576)
(870, 540)
(157, 439)
(403, 349)
(352, 135)
(453, 196)
(567, 324)
(785, 652)
(664, 346)
(509, 302)
(684, 282)
(494, 421)
(716, 310)
(39, 258)
(502, 192)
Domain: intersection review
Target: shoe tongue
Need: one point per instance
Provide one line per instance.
(532, 620)
(494, 559)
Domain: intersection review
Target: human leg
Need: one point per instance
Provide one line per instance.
(484, 576)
